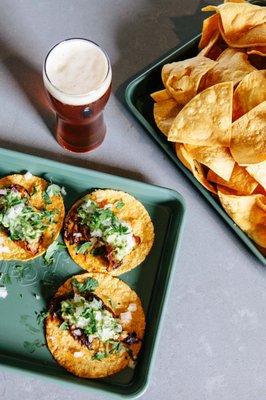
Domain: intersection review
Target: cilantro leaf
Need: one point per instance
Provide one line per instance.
(6, 280)
(119, 204)
(99, 355)
(64, 326)
(41, 316)
(20, 269)
(49, 255)
(82, 249)
(89, 285)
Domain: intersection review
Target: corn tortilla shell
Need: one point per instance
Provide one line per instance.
(117, 296)
(36, 200)
(206, 119)
(134, 213)
(248, 143)
(249, 213)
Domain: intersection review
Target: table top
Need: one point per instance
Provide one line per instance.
(213, 337)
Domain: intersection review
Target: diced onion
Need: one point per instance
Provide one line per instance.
(78, 354)
(125, 317)
(132, 307)
(4, 249)
(28, 176)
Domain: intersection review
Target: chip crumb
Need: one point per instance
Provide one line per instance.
(3, 292)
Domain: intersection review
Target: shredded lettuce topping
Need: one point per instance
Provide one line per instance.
(91, 317)
(21, 220)
(105, 229)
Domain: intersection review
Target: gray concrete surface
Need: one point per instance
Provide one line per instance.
(213, 343)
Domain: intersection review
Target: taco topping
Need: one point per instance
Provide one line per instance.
(91, 317)
(98, 230)
(87, 318)
(20, 219)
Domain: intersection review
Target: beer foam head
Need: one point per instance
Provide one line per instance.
(77, 72)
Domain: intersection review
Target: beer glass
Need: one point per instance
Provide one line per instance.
(77, 77)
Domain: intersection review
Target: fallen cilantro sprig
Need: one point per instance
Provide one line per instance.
(41, 316)
(49, 255)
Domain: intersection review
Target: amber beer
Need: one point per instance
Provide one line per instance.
(77, 77)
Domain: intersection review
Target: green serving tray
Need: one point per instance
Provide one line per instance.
(22, 341)
(139, 102)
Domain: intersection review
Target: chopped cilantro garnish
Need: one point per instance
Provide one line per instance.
(89, 285)
(83, 248)
(119, 204)
(21, 219)
(6, 279)
(49, 255)
(20, 270)
(41, 316)
(100, 355)
(46, 198)
(116, 347)
(34, 190)
(107, 229)
(64, 326)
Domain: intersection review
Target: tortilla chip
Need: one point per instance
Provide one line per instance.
(232, 65)
(249, 213)
(241, 24)
(214, 48)
(182, 78)
(250, 92)
(210, 29)
(261, 51)
(240, 181)
(164, 114)
(216, 158)
(206, 119)
(35, 186)
(134, 213)
(258, 171)
(193, 165)
(78, 358)
(160, 95)
(248, 143)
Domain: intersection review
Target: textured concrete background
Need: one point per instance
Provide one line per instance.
(213, 338)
